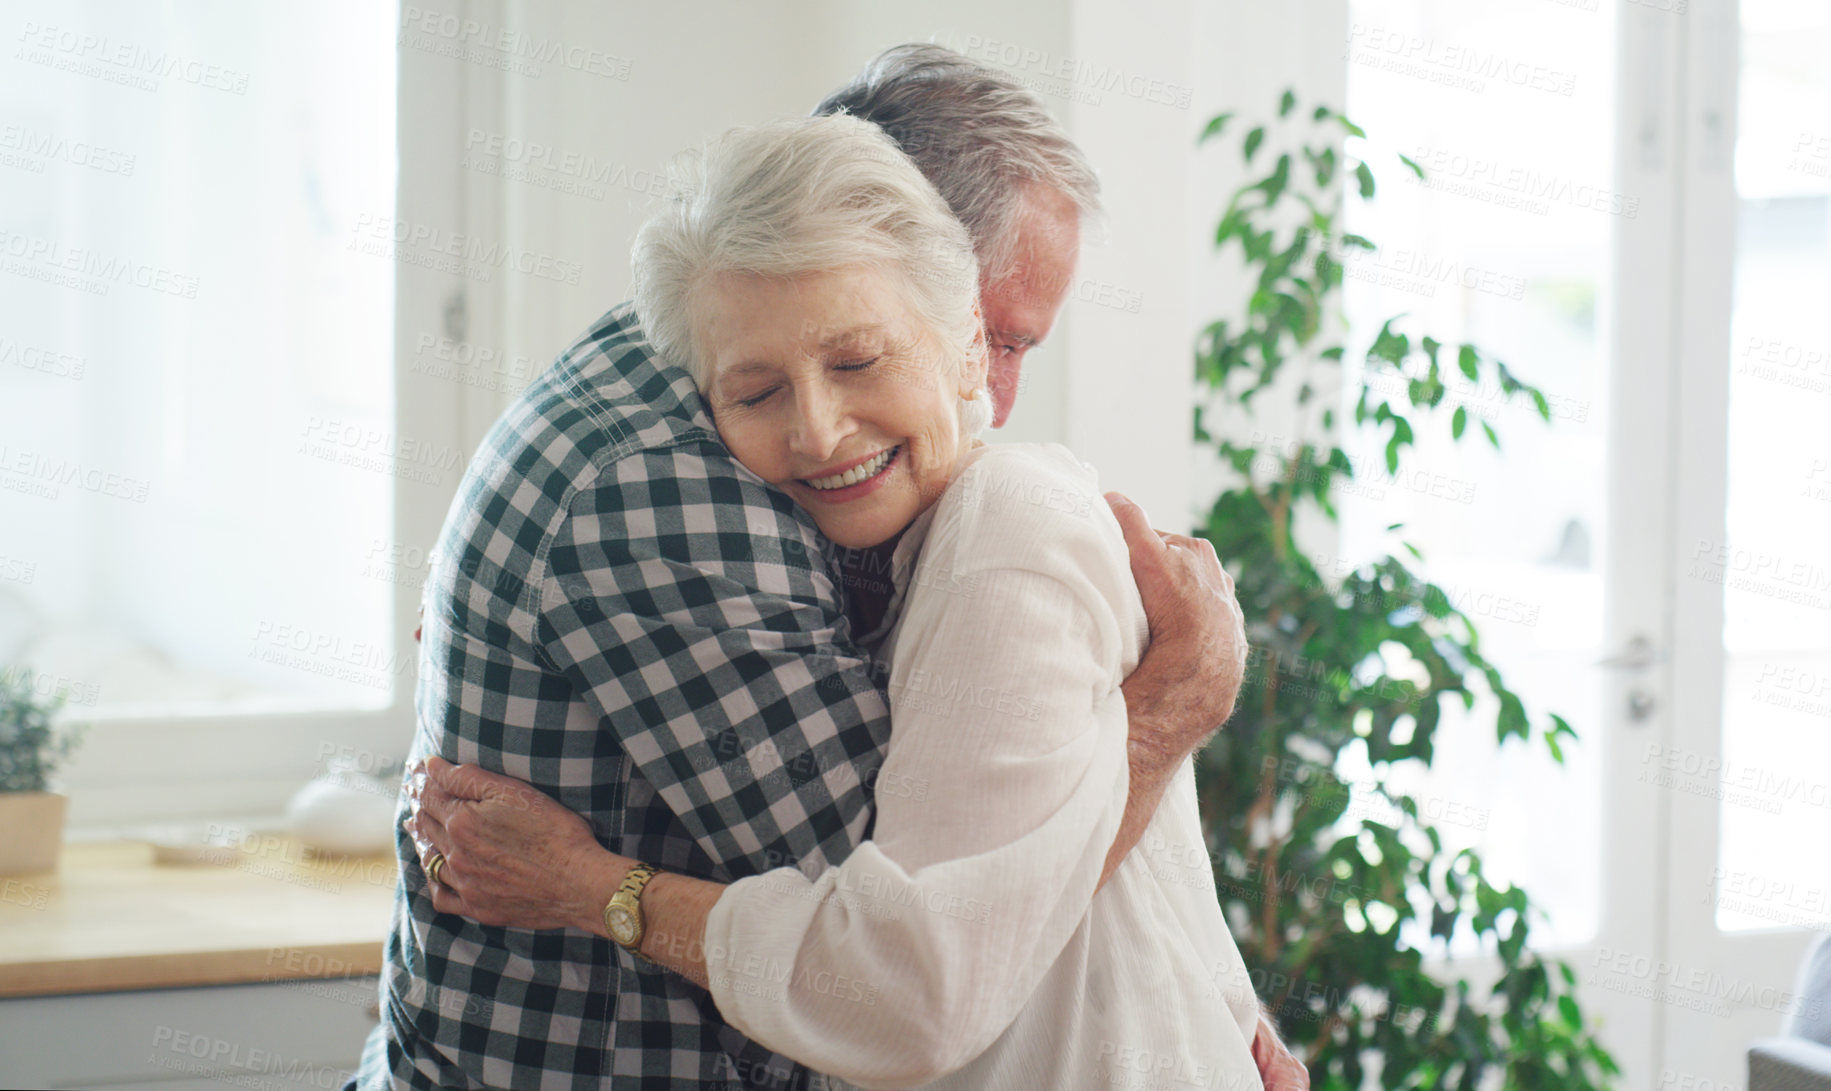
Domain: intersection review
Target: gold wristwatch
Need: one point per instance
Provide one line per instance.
(623, 914)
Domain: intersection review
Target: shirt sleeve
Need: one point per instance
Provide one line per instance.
(1001, 795)
(692, 609)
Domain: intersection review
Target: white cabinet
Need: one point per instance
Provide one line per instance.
(277, 1037)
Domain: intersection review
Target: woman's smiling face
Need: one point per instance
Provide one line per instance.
(831, 387)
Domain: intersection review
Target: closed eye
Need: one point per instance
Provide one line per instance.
(758, 399)
(857, 365)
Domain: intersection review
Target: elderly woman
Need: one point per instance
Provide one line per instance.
(824, 299)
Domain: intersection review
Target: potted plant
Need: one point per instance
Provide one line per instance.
(31, 749)
(1338, 909)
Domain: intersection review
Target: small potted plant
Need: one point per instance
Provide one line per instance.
(31, 749)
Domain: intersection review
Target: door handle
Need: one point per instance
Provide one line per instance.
(1638, 655)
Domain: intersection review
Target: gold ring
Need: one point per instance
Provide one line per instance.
(435, 867)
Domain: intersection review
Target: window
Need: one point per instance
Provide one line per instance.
(201, 458)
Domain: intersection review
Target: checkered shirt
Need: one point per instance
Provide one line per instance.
(623, 616)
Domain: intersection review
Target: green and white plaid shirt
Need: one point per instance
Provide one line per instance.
(623, 616)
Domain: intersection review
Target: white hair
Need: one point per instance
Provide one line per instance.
(977, 133)
(797, 197)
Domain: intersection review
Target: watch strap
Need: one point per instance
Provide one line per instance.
(629, 895)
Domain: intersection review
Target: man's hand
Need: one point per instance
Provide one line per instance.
(1185, 686)
(513, 856)
(1279, 1068)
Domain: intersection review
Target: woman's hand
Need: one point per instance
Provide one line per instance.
(1279, 1068)
(513, 856)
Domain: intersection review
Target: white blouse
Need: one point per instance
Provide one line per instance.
(963, 946)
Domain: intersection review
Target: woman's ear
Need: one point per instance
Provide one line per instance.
(973, 370)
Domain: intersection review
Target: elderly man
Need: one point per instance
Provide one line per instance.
(625, 619)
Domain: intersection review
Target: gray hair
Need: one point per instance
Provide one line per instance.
(797, 197)
(976, 133)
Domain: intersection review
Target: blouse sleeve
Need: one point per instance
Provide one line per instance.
(1001, 794)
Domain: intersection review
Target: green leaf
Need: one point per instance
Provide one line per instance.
(1413, 164)
(1280, 177)
(1214, 127)
(1492, 437)
(1364, 174)
(1253, 139)
(1470, 363)
(1286, 103)
(1568, 1009)
(1458, 421)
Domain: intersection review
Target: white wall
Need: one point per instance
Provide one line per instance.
(1250, 53)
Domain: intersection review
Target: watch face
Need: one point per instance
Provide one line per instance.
(622, 925)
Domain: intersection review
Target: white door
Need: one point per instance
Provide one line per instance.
(1749, 880)
(1672, 534)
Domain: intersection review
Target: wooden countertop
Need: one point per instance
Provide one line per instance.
(111, 919)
